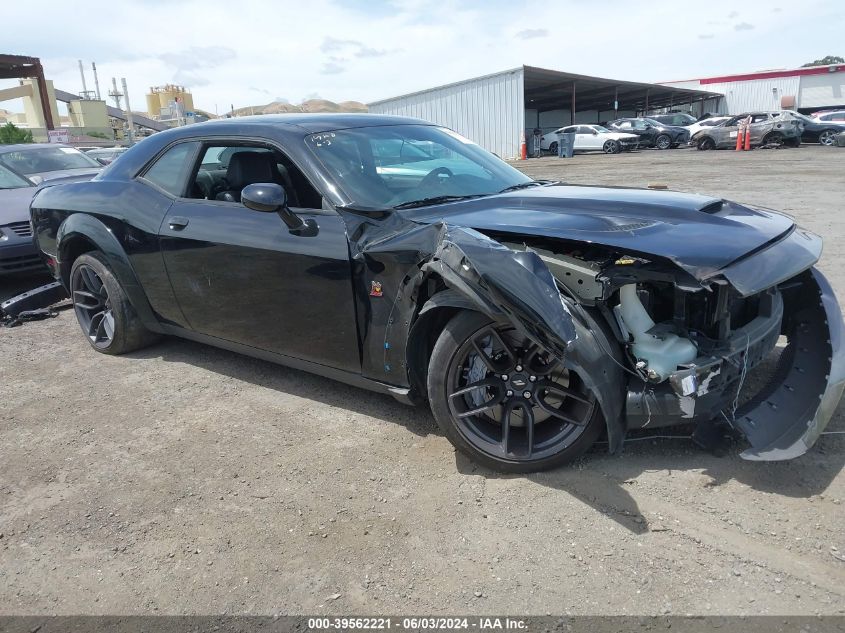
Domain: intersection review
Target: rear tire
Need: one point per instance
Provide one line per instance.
(773, 138)
(828, 138)
(456, 362)
(664, 141)
(102, 308)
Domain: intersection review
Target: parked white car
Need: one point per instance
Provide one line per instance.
(591, 137)
(699, 125)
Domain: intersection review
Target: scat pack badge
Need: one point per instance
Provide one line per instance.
(375, 289)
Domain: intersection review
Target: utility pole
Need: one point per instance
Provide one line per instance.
(128, 112)
(82, 74)
(115, 94)
(96, 80)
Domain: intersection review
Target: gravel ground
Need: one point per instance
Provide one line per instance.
(189, 480)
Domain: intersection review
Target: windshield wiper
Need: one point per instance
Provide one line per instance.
(424, 202)
(525, 185)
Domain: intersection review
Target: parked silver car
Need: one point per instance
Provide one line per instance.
(767, 128)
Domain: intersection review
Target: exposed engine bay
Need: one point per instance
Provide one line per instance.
(690, 344)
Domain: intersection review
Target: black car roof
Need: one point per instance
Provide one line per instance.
(310, 122)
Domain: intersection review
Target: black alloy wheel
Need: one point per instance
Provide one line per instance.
(104, 312)
(503, 401)
(553, 148)
(92, 305)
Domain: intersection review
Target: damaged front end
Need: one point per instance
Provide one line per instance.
(656, 344)
(692, 341)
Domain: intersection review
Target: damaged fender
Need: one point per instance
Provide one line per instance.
(786, 418)
(514, 287)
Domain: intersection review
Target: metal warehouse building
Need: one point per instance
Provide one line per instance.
(802, 89)
(498, 111)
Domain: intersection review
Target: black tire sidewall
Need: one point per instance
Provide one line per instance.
(461, 327)
(660, 136)
(129, 333)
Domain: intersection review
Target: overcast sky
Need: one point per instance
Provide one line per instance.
(249, 52)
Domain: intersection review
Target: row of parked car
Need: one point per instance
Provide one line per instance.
(22, 169)
(667, 131)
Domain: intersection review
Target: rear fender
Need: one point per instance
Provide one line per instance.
(89, 228)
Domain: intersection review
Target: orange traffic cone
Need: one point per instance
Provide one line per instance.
(739, 140)
(747, 139)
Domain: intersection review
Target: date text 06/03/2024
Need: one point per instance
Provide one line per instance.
(480, 623)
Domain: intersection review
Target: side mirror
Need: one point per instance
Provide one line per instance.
(102, 161)
(595, 133)
(268, 197)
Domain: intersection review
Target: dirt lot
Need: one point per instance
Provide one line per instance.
(184, 479)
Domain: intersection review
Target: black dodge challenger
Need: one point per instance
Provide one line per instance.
(399, 256)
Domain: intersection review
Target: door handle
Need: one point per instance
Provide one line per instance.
(177, 223)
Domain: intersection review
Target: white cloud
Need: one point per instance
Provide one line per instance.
(530, 34)
(351, 49)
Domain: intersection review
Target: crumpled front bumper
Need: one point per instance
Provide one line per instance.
(787, 417)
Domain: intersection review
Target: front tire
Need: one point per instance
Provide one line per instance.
(706, 143)
(502, 402)
(553, 148)
(612, 147)
(664, 141)
(102, 308)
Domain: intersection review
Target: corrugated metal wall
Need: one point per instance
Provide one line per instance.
(489, 110)
(819, 91)
(743, 96)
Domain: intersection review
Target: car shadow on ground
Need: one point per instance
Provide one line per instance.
(602, 481)
(283, 379)
(598, 479)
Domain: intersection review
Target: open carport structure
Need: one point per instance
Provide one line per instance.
(23, 67)
(497, 111)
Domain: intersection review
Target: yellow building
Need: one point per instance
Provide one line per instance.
(162, 97)
(89, 113)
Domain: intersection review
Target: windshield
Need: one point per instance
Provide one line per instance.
(386, 166)
(10, 180)
(44, 159)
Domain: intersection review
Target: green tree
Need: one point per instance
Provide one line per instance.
(98, 134)
(11, 133)
(824, 61)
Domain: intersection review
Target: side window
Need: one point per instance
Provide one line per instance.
(585, 129)
(626, 125)
(171, 170)
(569, 130)
(225, 169)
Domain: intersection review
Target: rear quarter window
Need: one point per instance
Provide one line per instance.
(170, 171)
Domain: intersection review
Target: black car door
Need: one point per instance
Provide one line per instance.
(240, 275)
